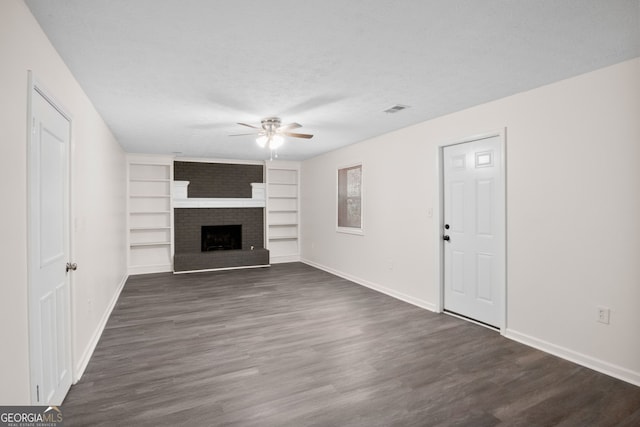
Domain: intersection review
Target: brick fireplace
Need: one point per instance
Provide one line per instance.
(191, 214)
(188, 238)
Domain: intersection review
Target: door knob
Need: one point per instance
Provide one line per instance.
(445, 237)
(72, 266)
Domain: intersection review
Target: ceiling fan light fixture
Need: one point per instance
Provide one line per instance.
(276, 141)
(271, 133)
(262, 141)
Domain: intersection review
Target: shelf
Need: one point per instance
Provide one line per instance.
(150, 212)
(218, 203)
(149, 180)
(283, 209)
(133, 245)
(149, 228)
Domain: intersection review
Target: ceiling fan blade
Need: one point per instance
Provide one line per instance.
(249, 126)
(298, 135)
(243, 134)
(288, 127)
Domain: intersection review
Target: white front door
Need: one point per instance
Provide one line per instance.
(49, 293)
(474, 254)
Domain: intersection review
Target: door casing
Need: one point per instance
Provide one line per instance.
(439, 224)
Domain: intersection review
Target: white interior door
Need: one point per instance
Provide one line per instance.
(49, 293)
(474, 254)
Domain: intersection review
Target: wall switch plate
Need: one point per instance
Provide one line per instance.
(603, 315)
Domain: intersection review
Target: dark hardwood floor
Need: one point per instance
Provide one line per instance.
(291, 345)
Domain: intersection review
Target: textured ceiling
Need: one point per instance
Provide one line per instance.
(176, 75)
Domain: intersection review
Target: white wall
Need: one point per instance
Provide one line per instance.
(98, 199)
(573, 213)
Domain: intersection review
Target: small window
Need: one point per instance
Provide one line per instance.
(350, 199)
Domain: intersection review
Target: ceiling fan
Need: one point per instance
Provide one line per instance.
(271, 132)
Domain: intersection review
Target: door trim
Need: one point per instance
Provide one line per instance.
(439, 224)
(34, 84)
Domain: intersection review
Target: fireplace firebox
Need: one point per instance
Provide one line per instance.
(221, 237)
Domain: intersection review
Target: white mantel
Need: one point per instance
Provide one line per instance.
(180, 199)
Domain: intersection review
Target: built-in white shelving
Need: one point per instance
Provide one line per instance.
(282, 213)
(150, 214)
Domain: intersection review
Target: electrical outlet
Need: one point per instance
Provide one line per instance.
(603, 315)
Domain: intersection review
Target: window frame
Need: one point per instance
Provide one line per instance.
(341, 201)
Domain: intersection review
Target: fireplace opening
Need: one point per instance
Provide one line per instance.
(221, 237)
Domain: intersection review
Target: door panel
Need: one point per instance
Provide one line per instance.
(457, 207)
(49, 293)
(484, 265)
(474, 212)
(47, 333)
(484, 207)
(457, 272)
(52, 147)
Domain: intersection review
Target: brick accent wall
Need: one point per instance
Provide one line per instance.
(218, 180)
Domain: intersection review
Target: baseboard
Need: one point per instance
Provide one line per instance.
(576, 357)
(242, 267)
(88, 352)
(376, 287)
(281, 259)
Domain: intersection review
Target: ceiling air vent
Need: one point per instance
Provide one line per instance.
(395, 108)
